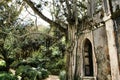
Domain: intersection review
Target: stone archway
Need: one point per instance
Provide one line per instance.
(88, 69)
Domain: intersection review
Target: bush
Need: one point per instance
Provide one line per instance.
(2, 63)
(7, 76)
(31, 73)
(62, 75)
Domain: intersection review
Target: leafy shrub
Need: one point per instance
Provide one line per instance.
(7, 76)
(2, 63)
(62, 75)
(31, 73)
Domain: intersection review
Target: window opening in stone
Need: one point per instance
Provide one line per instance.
(88, 61)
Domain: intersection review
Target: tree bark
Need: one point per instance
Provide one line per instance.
(72, 52)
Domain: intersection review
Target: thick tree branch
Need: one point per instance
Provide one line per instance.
(71, 17)
(30, 3)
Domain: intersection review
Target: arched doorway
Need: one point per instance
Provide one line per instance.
(87, 59)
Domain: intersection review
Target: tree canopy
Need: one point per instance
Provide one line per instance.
(23, 47)
(62, 11)
(30, 51)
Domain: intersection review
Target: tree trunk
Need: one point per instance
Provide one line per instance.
(71, 52)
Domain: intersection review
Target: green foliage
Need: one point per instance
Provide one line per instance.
(62, 75)
(31, 73)
(2, 63)
(7, 76)
(29, 54)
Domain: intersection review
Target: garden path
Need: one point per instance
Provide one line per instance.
(53, 77)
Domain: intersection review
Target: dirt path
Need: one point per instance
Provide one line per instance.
(53, 77)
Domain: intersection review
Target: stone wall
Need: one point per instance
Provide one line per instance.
(105, 42)
(101, 61)
(117, 36)
(102, 54)
(80, 69)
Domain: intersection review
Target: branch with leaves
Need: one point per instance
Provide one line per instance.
(39, 13)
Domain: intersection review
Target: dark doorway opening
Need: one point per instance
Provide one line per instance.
(87, 58)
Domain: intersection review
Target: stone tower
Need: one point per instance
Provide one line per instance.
(98, 52)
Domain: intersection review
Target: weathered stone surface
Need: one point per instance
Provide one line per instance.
(102, 55)
(105, 41)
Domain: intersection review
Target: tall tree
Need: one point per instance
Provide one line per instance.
(8, 17)
(66, 16)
